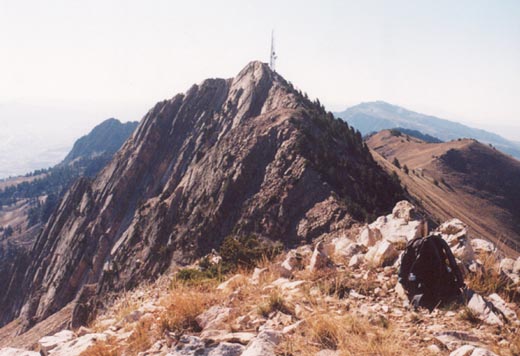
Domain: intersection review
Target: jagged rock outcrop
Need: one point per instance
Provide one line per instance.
(248, 155)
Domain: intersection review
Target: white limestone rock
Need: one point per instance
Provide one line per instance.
(78, 345)
(231, 283)
(470, 350)
(484, 310)
(455, 233)
(48, 343)
(504, 308)
(264, 344)
(381, 254)
(369, 236)
(319, 259)
(356, 260)
(401, 226)
(483, 247)
(214, 318)
(10, 351)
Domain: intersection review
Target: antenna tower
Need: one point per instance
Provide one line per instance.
(272, 61)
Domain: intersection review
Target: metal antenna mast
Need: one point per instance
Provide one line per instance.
(272, 61)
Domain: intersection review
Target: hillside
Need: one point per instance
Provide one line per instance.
(461, 178)
(246, 156)
(375, 116)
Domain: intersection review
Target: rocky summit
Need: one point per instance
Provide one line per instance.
(247, 156)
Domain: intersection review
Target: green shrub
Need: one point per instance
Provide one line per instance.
(246, 251)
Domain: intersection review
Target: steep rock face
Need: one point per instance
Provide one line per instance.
(248, 155)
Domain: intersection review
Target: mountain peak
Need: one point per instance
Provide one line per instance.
(242, 156)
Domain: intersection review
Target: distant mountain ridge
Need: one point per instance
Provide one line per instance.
(375, 116)
(106, 137)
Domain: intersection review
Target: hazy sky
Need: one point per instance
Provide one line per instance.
(67, 65)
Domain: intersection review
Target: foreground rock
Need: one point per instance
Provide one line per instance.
(69, 345)
(470, 350)
(195, 346)
(403, 225)
(455, 233)
(264, 344)
(9, 351)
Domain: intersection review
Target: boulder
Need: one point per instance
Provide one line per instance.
(286, 285)
(516, 266)
(257, 275)
(455, 233)
(507, 265)
(236, 338)
(404, 210)
(9, 351)
(78, 345)
(511, 269)
(264, 344)
(401, 226)
(351, 250)
(453, 227)
(292, 262)
(328, 352)
(319, 259)
(48, 343)
(483, 309)
(231, 283)
(504, 308)
(215, 318)
(226, 349)
(453, 339)
(470, 350)
(382, 254)
(399, 290)
(434, 350)
(356, 260)
(481, 246)
(339, 244)
(369, 236)
(194, 346)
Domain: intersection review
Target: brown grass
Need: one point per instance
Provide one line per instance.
(275, 302)
(468, 315)
(488, 280)
(349, 335)
(184, 304)
(102, 349)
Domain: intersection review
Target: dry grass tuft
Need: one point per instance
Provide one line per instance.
(275, 302)
(349, 335)
(184, 304)
(488, 280)
(468, 315)
(102, 349)
(142, 337)
(325, 332)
